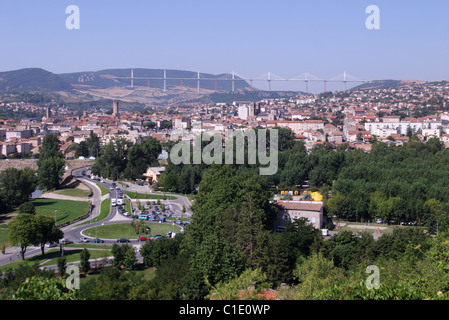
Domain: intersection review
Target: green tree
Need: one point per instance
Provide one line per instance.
(84, 262)
(243, 287)
(124, 256)
(16, 186)
(22, 232)
(62, 265)
(141, 156)
(113, 160)
(39, 288)
(46, 231)
(50, 164)
(50, 172)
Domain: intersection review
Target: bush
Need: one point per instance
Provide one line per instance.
(27, 207)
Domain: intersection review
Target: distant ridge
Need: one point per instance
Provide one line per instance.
(377, 84)
(32, 80)
(386, 84)
(105, 79)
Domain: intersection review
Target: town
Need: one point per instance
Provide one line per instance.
(358, 118)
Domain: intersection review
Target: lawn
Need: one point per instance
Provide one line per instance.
(126, 230)
(72, 255)
(148, 196)
(104, 211)
(103, 189)
(74, 192)
(66, 210)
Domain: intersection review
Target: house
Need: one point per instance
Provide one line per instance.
(154, 173)
(312, 210)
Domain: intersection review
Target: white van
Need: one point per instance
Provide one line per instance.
(119, 202)
(113, 202)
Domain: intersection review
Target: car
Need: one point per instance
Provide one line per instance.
(158, 236)
(113, 202)
(84, 239)
(143, 217)
(122, 240)
(50, 244)
(152, 218)
(111, 188)
(162, 219)
(142, 238)
(65, 241)
(96, 240)
(119, 202)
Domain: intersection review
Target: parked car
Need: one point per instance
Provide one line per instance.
(143, 217)
(96, 240)
(142, 238)
(122, 240)
(158, 236)
(84, 239)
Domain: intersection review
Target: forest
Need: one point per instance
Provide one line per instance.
(399, 184)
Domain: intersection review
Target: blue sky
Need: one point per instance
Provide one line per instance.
(252, 37)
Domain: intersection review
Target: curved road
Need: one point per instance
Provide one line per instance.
(73, 232)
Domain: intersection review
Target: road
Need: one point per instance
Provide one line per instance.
(73, 232)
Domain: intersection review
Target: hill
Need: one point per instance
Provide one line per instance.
(32, 80)
(109, 78)
(377, 84)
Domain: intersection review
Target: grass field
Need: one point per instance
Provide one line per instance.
(72, 255)
(103, 189)
(67, 210)
(73, 192)
(148, 196)
(359, 227)
(126, 230)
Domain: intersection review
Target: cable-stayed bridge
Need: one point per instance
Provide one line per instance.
(269, 77)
